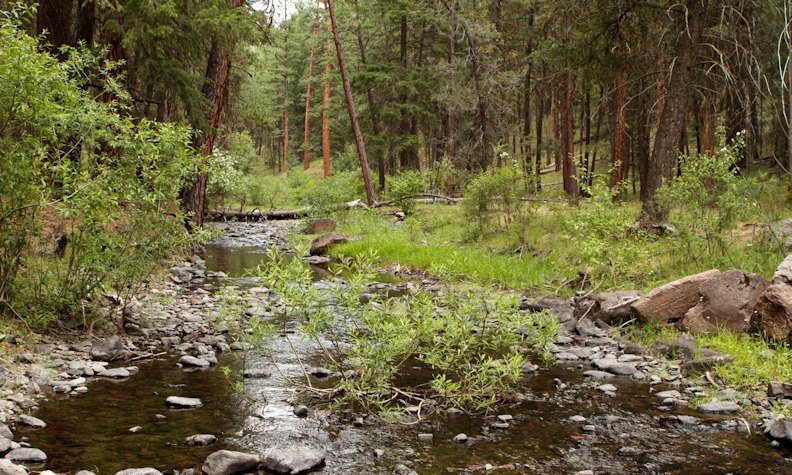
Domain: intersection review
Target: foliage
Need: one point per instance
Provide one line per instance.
(84, 189)
(224, 178)
(404, 188)
(709, 198)
(472, 345)
(493, 196)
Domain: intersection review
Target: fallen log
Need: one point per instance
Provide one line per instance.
(275, 215)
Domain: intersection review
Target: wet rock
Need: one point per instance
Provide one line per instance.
(673, 300)
(193, 362)
(609, 307)
(301, 410)
(674, 394)
(84, 472)
(597, 375)
(322, 244)
(586, 327)
(31, 421)
(26, 454)
(719, 406)
(294, 459)
(108, 350)
(256, 373)
(425, 437)
(321, 225)
(8, 467)
(135, 429)
(727, 301)
(461, 438)
(775, 389)
(183, 402)
(140, 471)
(227, 462)
(200, 439)
(5, 445)
(772, 317)
(500, 425)
(578, 419)
(781, 429)
(5, 432)
(589, 428)
(402, 469)
(607, 388)
(115, 373)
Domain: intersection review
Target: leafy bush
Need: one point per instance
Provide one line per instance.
(708, 199)
(404, 188)
(85, 190)
(494, 197)
(224, 178)
(472, 344)
(446, 178)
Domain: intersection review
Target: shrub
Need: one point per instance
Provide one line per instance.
(494, 196)
(404, 188)
(85, 190)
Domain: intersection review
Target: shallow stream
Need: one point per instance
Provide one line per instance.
(632, 434)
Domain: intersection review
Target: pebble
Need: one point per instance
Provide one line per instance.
(301, 411)
(589, 428)
(183, 402)
(578, 419)
(719, 406)
(379, 453)
(135, 429)
(673, 394)
(425, 437)
(116, 373)
(200, 440)
(607, 388)
(193, 362)
(461, 438)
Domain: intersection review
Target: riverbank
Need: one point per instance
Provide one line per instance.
(601, 407)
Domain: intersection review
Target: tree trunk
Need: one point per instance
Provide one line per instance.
(193, 197)
(326, 122)
(55, 17)
(567, 126)
(620, 161)
(643, 129)
(539, 114)
(361, 148)
(307, 128)
(789, 97)
(673, 117)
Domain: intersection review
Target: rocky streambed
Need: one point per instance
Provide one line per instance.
(606, 407)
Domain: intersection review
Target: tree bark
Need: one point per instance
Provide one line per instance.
(326, 122)
(452, 115)
(350, 100)
(620, 161)
(193, 197)
(673, 118)
(567, 131)
(307, 127)
(55, 17)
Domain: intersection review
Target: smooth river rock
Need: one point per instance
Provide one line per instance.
(719, 406)
(115, 373)
(227, 462)
(5, 432)
(183, 402)
(8, 467)
(193, 362)
(294, 459)
(781, 429)
(140, 471)
(200, 439)
(26, 454)
(31, 421)
(108, 350)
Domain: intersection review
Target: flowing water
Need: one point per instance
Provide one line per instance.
(632, 434)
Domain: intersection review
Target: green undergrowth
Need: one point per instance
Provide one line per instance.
(755, 362)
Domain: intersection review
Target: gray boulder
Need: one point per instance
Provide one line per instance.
(5, 432)
(727, 301)
(108, 350)
(781, 429)
(26, 454)
(200, 439)
(227, 462)
(31, 421)
(673, 300)
(193, 362)
(179, 402)
(294, 459)
(8, 467)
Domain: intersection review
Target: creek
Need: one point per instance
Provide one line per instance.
(632, 432)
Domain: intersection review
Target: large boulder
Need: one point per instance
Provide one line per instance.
(227, 462)
(322, 244)
(772, 317)
(781, 429)
(293, 460)
(108, 350)
(727, 302)
(610, 307)
(671, 301)
(321, 225)
(780, 232)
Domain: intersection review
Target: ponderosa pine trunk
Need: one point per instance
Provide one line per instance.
(326, 122)
(350, 100)
(673, 118)
(193, 197)
(307, 127)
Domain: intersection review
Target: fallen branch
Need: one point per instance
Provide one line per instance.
(275, 215)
